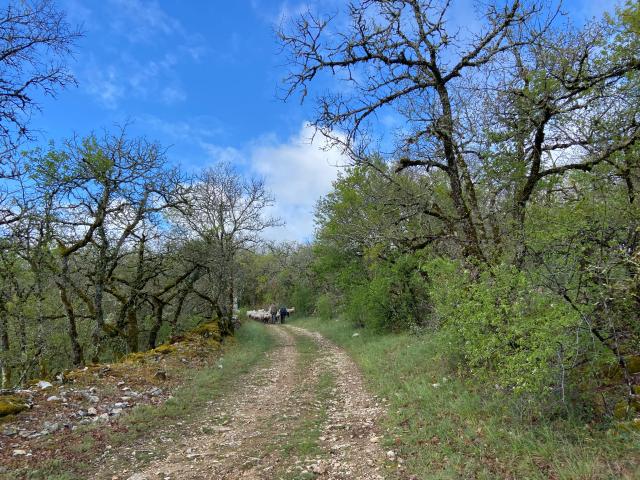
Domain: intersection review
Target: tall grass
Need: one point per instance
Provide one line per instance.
(447, 427)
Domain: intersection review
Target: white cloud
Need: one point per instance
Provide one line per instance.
(143, 21)
(278, 12)
(172, 95)
(229, 155)
(129, 77)
(198, 129)
(298, 172)
(104, 84)
(134, 68)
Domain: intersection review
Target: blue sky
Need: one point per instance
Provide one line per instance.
(202, 77)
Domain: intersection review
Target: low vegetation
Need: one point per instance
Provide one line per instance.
(445, 424)
(79, 453)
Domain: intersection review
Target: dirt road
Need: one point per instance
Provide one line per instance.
(303, 414)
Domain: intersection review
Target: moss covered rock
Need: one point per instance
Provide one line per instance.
(208, 331)
(136, 357)
(624, 409)
(164, 349)
(614, 372)
(150, 355)
(631, 426)
(633, 364)
(11, 404)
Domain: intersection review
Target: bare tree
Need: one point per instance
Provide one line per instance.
(401, 55)
(520, 83)
(103, 191)
(227, 213)
(562, 106)
(35, 42)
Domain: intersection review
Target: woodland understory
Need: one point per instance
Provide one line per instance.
(498, 214)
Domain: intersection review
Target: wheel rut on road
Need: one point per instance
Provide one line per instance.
(304, 413)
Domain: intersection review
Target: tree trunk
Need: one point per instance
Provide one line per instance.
(232, 301)
(445, 132)
(520, 234)
(97, 335)
(76, 348)
(158, 309)
(98, 329)
(132, 329)
(178, 311)
(223, 323)
(5, 369)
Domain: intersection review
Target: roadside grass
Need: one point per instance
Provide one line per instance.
(83, 449)
(445, 427)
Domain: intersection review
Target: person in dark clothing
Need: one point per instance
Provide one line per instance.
(283, 313)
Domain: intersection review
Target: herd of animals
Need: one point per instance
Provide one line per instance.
(267, 315)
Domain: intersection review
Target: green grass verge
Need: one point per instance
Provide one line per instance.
(449, 428)
(237, 357)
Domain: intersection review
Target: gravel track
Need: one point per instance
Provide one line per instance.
(249, 424)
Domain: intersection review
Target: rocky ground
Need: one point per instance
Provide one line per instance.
(54, 408)
(302, 414)
(49, 412)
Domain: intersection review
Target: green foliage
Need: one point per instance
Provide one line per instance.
(447, 426)
(283, 276)
(504, 328)
(303, 299)
(378, 283)
(360, 307)
(325, 307)
(547, 329)
(627, 27)
(394, 297)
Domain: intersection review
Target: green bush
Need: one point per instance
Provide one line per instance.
(504, 326)
(395, 298)
(303, 299)
(357, 307)
(325, 307)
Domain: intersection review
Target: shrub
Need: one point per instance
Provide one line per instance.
(303, 299)
(501, 324)
(325, 307)
(395, 298)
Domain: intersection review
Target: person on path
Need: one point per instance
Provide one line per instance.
(283, 313)
(273, 310)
